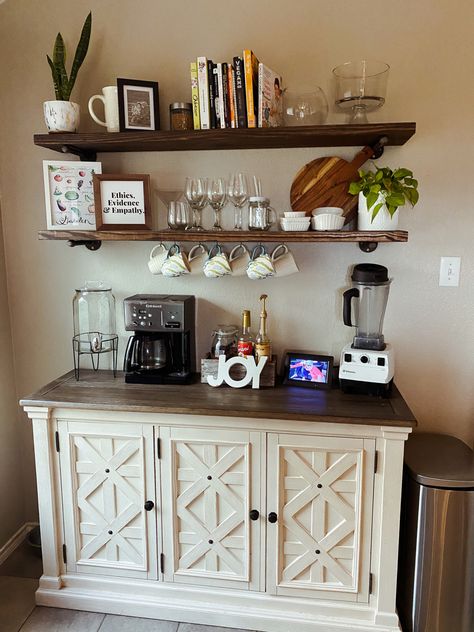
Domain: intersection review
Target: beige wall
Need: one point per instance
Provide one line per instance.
(429, 47)
(12, 506)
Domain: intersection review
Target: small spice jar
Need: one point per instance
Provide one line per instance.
(181, 116)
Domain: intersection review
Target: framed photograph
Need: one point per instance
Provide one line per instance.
(139, 106)
(69, 194)
(308, 370)
(122, 201)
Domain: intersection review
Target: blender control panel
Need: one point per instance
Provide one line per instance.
(151, 315)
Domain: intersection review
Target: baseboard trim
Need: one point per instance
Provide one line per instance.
(14, 542)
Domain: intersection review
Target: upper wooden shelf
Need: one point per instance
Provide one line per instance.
(261, 138)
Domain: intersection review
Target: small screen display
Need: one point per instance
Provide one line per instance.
(304, 370)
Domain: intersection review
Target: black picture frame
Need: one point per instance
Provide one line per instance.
(291, 356)
(147, 112)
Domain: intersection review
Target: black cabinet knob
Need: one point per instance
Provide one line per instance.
(272, 517)
(254, 514)
(149, 505)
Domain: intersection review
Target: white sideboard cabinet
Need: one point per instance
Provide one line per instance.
(154, 504)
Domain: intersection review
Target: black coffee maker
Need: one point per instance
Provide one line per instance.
(162, 348)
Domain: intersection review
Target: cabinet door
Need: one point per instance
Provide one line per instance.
(107, 474)
(211, 481)
(321, 490)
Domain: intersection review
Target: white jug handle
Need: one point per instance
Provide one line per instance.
(91, 111)
(235, 249)
(275, 257)
(160, 245)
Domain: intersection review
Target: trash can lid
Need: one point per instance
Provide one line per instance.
(438, 460)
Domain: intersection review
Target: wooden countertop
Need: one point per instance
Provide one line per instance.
(101, 391)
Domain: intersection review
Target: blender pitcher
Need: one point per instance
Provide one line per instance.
(370, 286)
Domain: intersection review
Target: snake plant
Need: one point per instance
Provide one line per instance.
(62, 84)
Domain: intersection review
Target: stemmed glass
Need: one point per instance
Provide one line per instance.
(238, 193)
(195, 192)
(217, 196)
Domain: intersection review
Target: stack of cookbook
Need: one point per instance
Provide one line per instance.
(244, 93)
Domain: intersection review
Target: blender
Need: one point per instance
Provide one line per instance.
(367, 364)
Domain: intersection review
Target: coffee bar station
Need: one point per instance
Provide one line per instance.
(264, 491)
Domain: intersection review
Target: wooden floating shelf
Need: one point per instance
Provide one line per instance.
(339, 236)
(261, 138)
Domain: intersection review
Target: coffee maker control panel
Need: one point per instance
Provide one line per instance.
(156, 312)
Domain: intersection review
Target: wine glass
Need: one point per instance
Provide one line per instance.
(195, 192)
(238, 194)
(217, 195)
(361, 87)
(178, 215)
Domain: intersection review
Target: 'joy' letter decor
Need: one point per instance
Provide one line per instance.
(253, 372)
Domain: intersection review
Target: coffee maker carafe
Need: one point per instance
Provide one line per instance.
(162, 348)
(367, 365)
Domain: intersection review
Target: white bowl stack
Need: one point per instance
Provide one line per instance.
(327, 218)
(295, 220)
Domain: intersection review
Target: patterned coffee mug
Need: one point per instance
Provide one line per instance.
(156, 260)
(260, 265)
(176, 263)
(217, 265)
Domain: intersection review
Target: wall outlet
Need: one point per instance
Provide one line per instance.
(449, 271)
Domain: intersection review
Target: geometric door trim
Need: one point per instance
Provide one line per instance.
(211, 480)
(104, 478)
(316, 486)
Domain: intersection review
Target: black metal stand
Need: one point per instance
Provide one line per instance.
(95, 344)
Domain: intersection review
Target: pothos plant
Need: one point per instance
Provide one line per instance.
(395, 187)
(63, 84)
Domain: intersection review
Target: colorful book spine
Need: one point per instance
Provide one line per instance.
(220, 98)
(240, 92)
(203, 86)
(195, 95)
(212, 93)
(270, 97)
(251, 87)
(231, 88)
(225, 96)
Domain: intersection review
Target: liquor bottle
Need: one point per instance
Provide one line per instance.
(245, 345)
(263, 345)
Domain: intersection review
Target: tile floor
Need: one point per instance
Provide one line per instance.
(18, 582)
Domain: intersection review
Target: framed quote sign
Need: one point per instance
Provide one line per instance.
(122, 201)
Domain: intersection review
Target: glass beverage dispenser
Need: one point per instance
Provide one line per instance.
(370, 286)
(93, 308)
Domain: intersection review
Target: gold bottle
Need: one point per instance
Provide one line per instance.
(263, 345)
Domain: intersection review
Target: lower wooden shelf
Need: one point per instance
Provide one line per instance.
(309, 236)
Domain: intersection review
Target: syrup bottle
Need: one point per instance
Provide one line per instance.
(263, 345)
(245, 345)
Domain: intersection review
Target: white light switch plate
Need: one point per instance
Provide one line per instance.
(449, 271)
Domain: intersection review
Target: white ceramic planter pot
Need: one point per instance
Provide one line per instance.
(382, 221)
(61, 116)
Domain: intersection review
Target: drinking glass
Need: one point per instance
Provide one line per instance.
(178, 215)
(217, 196)
(195, 192)
(238, 194)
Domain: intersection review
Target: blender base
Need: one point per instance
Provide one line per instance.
(366, 388)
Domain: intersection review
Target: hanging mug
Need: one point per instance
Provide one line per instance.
(176, 263)
(260, 265)
(157, 258)
(196, 257)
(239, 259)
(217, 264)
(283, 261)
(109, 98)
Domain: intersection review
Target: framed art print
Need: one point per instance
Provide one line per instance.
(69, 194)
(139, 108)
(122, 201)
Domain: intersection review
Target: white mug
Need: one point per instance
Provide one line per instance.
(196, 257)
(239, 260)
(156, 260)
(110, 101)
(176, 263)
(260, 265)
(283, 261)
(217, 265)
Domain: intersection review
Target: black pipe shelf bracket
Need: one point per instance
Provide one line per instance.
(368, 246)
(84, 154)
(90, 244)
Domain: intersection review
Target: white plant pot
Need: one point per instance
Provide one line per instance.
(382, 221)
(61, 116)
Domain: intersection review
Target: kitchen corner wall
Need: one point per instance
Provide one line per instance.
(429, 46)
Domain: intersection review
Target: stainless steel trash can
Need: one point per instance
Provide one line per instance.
(436, 564)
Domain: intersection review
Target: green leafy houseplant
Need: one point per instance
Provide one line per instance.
(395, 187)
(63, 84)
